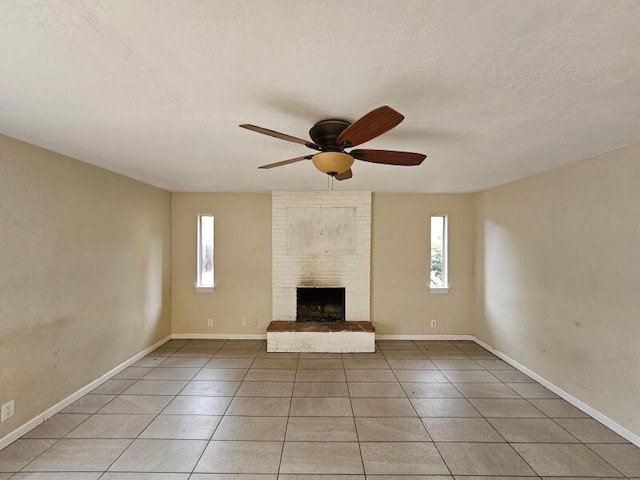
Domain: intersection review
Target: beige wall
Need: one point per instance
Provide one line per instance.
(400, 299)
(242, 263)
(84, 274)
(401, 302)
(558, 279)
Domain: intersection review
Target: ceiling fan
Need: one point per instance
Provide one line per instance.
(331, 138)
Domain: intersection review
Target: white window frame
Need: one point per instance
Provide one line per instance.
(199, 247)
(445, 254)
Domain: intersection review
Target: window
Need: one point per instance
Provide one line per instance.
(438, 279)
(205, 252)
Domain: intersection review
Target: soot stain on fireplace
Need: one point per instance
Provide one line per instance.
(320, 304)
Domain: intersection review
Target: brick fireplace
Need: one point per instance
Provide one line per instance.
(321, 240)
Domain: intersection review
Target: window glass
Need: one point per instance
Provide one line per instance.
(438, 276)
(205, 251)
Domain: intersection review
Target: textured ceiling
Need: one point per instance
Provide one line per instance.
(492, 91)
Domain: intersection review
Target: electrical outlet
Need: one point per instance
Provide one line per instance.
(210, 322)
(254, 322)
(7, 411)
(434, 323)
(244, 322)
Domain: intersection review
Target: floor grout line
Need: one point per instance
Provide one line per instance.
(394, 363)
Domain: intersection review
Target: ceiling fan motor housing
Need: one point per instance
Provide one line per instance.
(326, 132)
(331, 160)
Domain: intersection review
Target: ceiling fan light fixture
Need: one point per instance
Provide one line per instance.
(331, 136)
(332, 163)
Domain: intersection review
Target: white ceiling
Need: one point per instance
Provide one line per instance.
(492, 91)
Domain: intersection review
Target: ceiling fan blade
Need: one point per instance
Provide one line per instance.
(388, 157)
(281, 136)
(286, 162)
(373, 124)
(344, 175)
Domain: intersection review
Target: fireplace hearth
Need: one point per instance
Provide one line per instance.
(320, 304)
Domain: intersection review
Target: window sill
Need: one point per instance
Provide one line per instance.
(438, 289)
(205, 289)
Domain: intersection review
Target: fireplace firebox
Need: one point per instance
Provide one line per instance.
(320, 304)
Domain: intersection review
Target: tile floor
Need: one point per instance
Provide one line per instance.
(214, 409)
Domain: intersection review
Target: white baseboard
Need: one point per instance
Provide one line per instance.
(425, 337)
(219, 336)
(50, 412)
(606, 421)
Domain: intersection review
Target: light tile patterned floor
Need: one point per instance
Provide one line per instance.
(215, 409)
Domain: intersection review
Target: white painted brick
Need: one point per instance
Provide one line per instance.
(349, 271)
